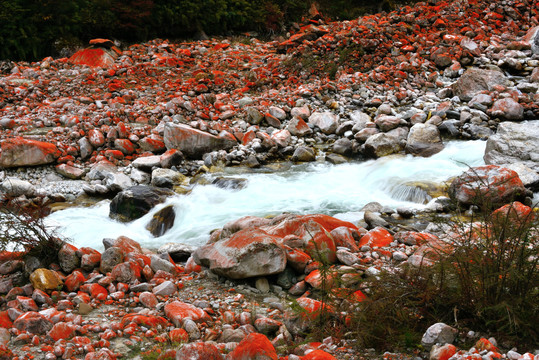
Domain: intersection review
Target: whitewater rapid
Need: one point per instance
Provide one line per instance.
(338, 190)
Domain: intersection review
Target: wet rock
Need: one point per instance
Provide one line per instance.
(475, 80)
(303, 154)
(177, 251)
(194, 143)
(424, 140)
(343, 147)
(230, 183)
(162, 221)
(247, 253)
(136, 201)
(18, 151)
(382, 144)
(488, 185)
(166, 178)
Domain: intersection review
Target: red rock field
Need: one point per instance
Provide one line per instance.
(140, 123)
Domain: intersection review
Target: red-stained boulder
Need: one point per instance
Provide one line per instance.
(200, 350)
(33, 322)
(475, 80)
(194, 143)
(297, 259)
(488, 185)
(247, 253)
(177, 312)
(18, 151)
(127, 272)
(5, 321)
(514, 214)
(376, 237)
(312, 307)
(254, 346)
(93, 57)
(442, 352)
(149, 321)
(178, 336)
(74, 280)
(318, 355)
(507, 109)
(62, 330)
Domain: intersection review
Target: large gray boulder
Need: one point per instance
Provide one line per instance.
(137, 201)
(247, 253)
(194, 143)
(327, 122)
(476, 80)
(383, 144)
(424, 140)
(514, 142)
(532, 38)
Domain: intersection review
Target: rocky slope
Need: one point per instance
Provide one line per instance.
(110, 121)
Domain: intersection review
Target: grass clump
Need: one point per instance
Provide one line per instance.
(482, 275)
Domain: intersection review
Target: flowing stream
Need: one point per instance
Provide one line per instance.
(337, 190)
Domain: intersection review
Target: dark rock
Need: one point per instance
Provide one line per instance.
(162, 221)
(136, 201)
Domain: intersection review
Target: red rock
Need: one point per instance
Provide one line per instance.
(443, 352)
(316, 280)
(18, 151)
(200, 350)
(95, 290)
(62, 330)
(344, 237)
(484, 344)
(127, 245)
(297, 259)
(106, 43)
(487, 185)
(178, 336)
(127, 272)
(27, 304)
(194, 143)
(318, 355)
(5, 321)
(312, 307)
(177, 311)
(378, 236)
(322, 247)
(247, 253)
(33, 322)
(514, 214)
(92, 57)
(148, 299)
(125, 146)
(96, 138)
(150, 321)
(74, 280)
(414, 238)
(254, 346)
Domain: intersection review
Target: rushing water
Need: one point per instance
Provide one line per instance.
(338, 190)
